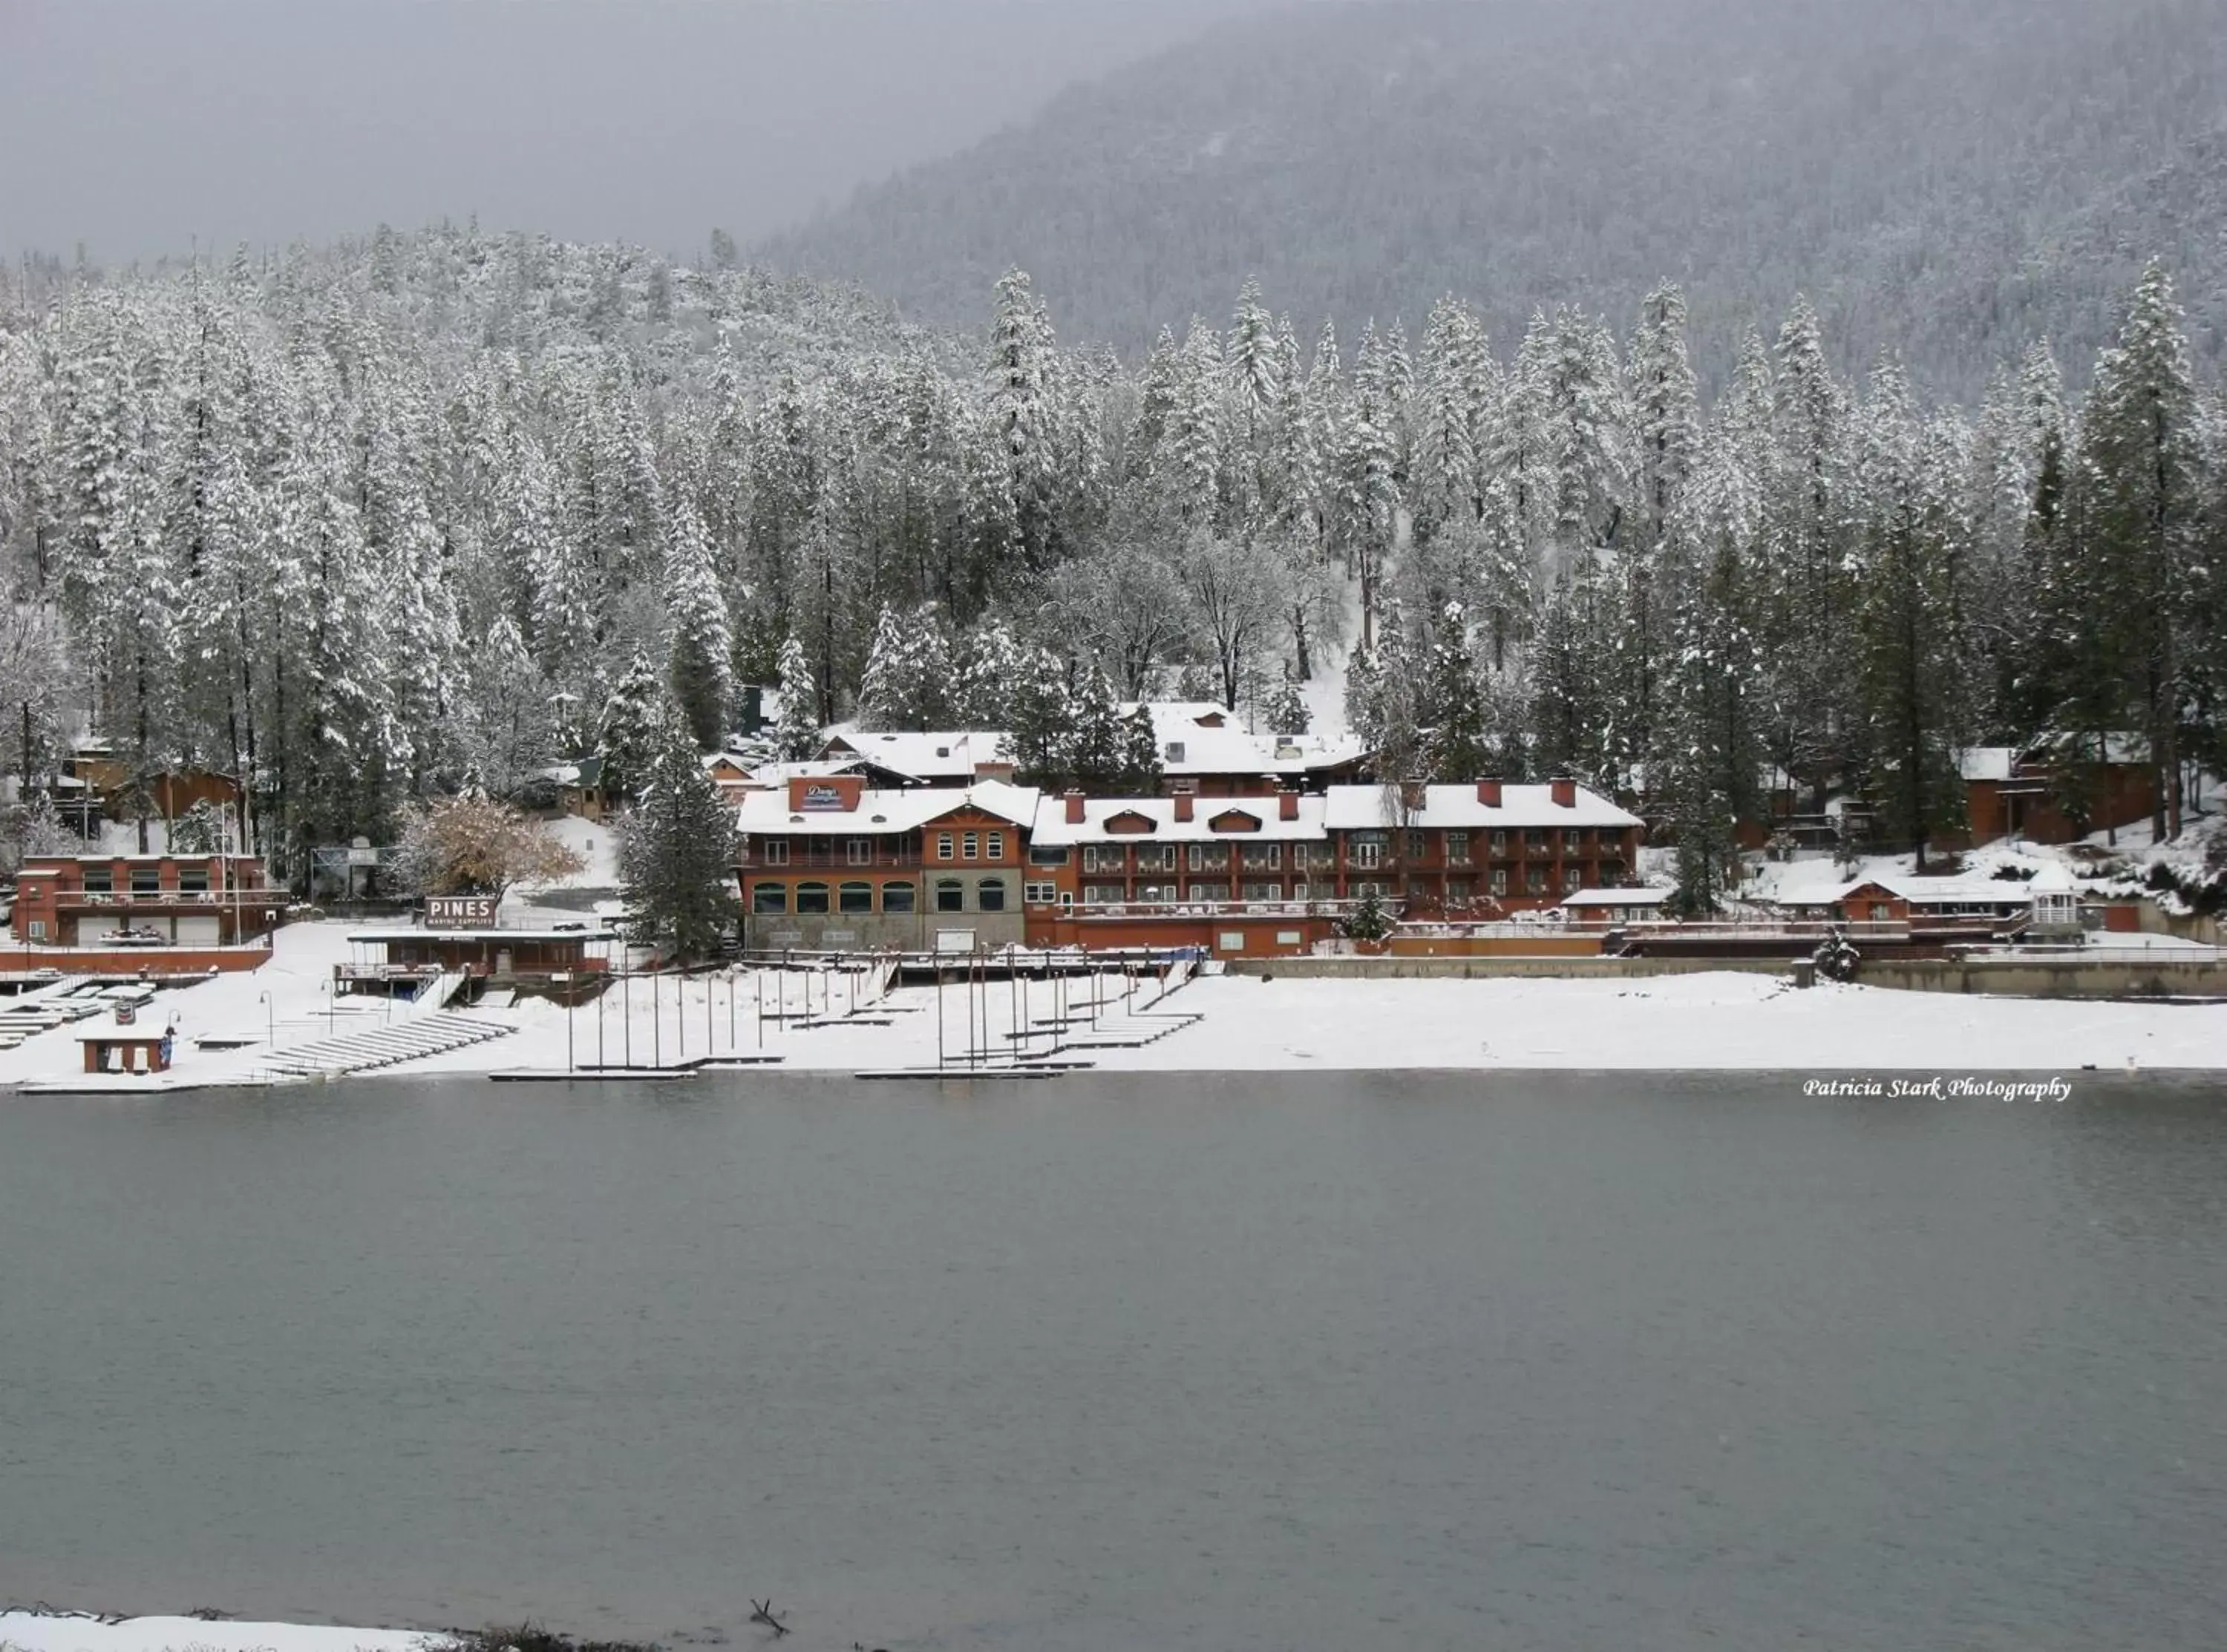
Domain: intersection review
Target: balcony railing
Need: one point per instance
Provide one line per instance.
(242, 896)
(1225, 908)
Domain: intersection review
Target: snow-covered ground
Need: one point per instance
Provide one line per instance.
(39, 1632)
(1712, 1020)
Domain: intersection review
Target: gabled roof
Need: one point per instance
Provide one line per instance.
(949, 755)
(1190, 744)
(1054, 829)
(1521, 809)
(885, 812)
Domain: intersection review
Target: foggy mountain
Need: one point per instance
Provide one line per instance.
(1947, 179)
(137, 126)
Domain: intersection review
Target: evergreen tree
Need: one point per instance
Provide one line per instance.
(909, 678)
(796, 730)
(701, 656)
(627, 731)
(677, 852)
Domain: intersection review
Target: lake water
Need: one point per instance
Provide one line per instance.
(1242, 1361)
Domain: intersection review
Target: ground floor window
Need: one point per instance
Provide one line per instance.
(950, 895)
(989, 894)
(770, 897)
(855, 898)
(897, 897)
(812, 897)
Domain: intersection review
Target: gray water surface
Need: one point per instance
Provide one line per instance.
(1243, 1361)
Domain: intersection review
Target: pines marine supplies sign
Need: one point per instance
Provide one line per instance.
(460, 911)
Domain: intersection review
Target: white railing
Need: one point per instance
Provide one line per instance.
(1223, 908)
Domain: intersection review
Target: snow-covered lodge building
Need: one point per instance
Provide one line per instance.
(830, 862)
(2011, 792)
(833, 863)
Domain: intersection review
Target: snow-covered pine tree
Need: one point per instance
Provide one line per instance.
(796, 730)
(628, 729)
(909, 675)
(701, 654)
(677, 852)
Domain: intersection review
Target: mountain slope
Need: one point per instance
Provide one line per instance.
(1946, 178)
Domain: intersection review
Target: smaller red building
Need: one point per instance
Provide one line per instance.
(118, 902)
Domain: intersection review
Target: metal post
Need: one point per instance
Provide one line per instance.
(656, 1022)
(626, 1015)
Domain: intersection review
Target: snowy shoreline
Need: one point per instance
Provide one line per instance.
(1713, 1021)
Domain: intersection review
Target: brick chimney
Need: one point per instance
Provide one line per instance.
(1488, 792)
(1182, 806)
(1565, 792)
(1075, 808)
(1287, 806)
(1412, 794)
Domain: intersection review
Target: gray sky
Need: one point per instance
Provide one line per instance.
(134, 125)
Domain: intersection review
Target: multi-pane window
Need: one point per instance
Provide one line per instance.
(1268, 891)
(1040, 894)
(1156, 858)
(194, 880)
(1208, 891)
(970, 846)
(146, 880)
(1534, 880)
(1573, 841)
(1572, 880)
(812, 897)
(1369, 851)
(1500, 880)
(1261, 857)
(990, 894)
(858, 851)
(1500, 843)
(1102, 894)
(1456, 848)
(99, 880)
(996, 845)
(897, 897)
(855, 898)
(950, 895)
(775, 852)
(1102, 858)
(1419, 844)
(943, 846)
(1209, 856)
(770, 897)
(1042, 854)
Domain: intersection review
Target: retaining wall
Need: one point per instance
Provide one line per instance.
(2048, 978)
(1398, 968)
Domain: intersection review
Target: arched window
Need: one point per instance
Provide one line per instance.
(812, 897)
(950, 895)
(990, 894)
(855, 898)
(770, 897)
(897, 897)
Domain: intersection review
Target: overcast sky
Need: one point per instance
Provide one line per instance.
(135, 125)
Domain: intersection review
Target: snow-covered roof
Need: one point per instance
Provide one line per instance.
(885, 812)
(1521, 807)
(774, 775)
(947, 755)
(1054, 829)
(1987, 762)
(1963, 889)
(1190, 744)
(1619, 897)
